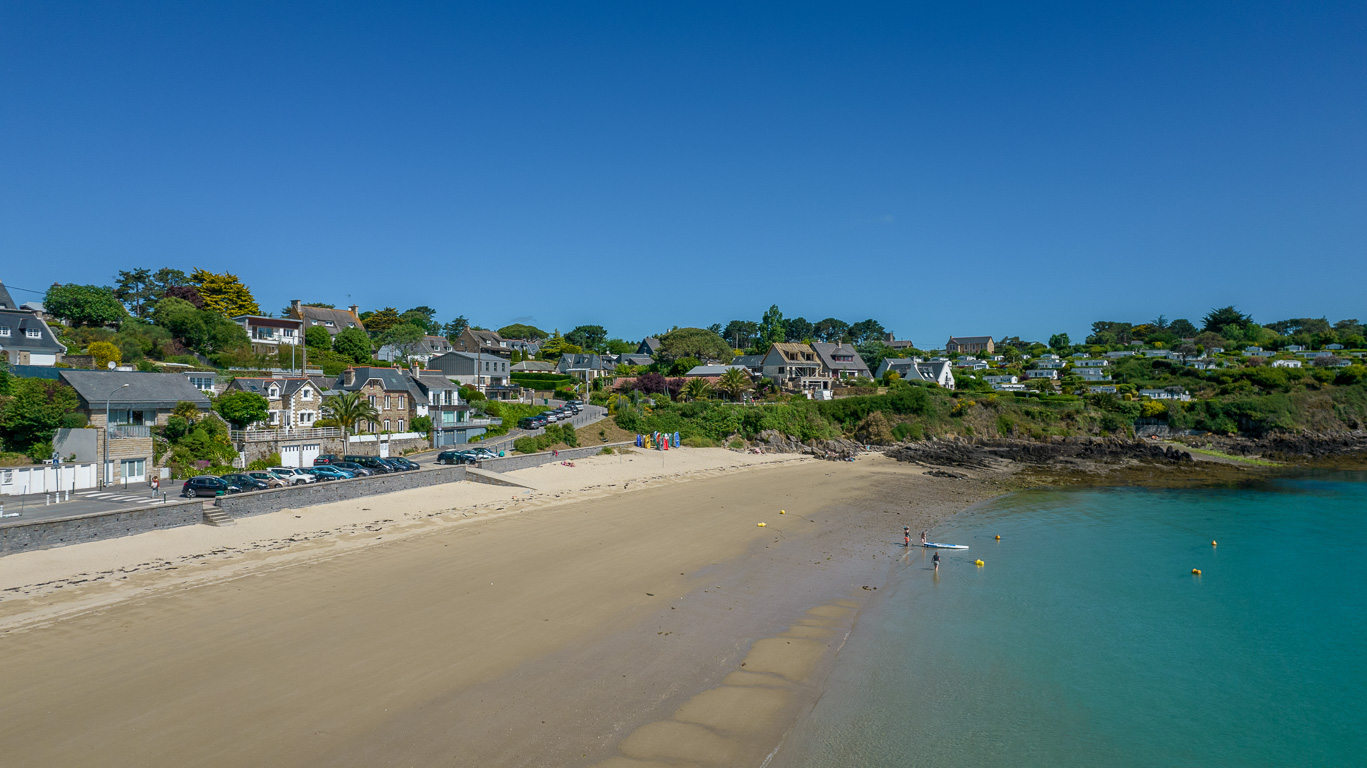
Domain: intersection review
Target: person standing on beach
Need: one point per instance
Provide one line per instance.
(936, 560)
(906, 536)
(923, 538)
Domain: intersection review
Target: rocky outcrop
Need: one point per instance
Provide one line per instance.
(1287, 445)
(981, 454)
(772, 441)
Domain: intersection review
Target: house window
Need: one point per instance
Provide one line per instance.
(132, 469)
(4, 331)
(329, 324)
(386, 425)
(386, 402)
(308, 394)
(273, 392)
(372, 401)
(402, 404)
(33, 333)
(400, 425)
(289, 333)
(6, 476)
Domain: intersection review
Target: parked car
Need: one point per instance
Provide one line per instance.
(271, 479)
(550, 416)
(482, 453)
(575, 403)
(371, 463)
(407, 464)
(355, 469)
(328, 472)
(456, 457)
(327, 458)
(393, 464)
(294, 475)
(207, 485)
(246, 482)
(527, 422)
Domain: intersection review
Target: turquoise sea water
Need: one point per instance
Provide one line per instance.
(1086, 640)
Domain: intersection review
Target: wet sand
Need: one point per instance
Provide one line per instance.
(621, 624)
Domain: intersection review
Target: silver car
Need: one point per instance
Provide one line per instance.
(294, 475)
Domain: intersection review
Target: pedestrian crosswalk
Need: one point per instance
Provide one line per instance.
(108, 496)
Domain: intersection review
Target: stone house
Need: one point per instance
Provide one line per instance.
(967, 345)
(391, 391)
(292, 402)
(334, 320)
(795, 367)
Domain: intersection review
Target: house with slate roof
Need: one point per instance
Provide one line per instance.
(489, 373)
(428, 348)
(585, 366)
(840, 361)
(391, 391)
(26, 340)
(916, 369)
(135, 402)
(292, 402)
(269, 335)
(334, 320)
(967, 345)
(6, 301)
(648, 346)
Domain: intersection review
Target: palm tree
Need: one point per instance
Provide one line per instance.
(733, 382)
(696, 389)
(349, 408)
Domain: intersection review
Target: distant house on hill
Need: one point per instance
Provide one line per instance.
(795, 367)
(913, 369)
(967, 345)
(648, 346)
(26, 340)
(334, 320)
(840, 361)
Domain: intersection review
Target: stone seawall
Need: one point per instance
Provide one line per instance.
(58, 532)
(527, 461)
(265, 502)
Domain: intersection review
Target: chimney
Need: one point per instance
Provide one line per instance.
(417, 368)
(294, 307)
(355, 310)
(349, 378)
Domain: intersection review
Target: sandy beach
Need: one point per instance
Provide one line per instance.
(626, 611)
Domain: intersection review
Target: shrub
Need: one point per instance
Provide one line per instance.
(736, 445)
(874, 430)
(272, 460)
(908, 431)
(699, 442)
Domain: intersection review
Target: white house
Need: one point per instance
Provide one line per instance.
(998, 378)
(1091, 374)
(1167, 393)
(1042, 373)
(1009, 387)
(1286, 363)
(913, 369)
(1102, 389)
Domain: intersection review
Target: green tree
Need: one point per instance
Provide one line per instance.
(693, 342)
(733, 382)
(349, 408)
(84, 305)
(1182, 328)
(866, 330)
(620, 346)
(135, 289)
(523, 331)
(1060, 342)
(798, 329)
(588, 336)
(242, 409)
(187, 411)
(739, 333)
(381, 320)
(353, 343)
(830, 330)
(1221, 319)
(224, 294)
(105, 353)
(184, 321)
(455, 328)
(404, 338)
(696, 389)
(423, 317)
(34, 410)
(317, 337)
(771, 330)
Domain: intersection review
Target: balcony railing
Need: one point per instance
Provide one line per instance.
(272, 435)
(125, 431)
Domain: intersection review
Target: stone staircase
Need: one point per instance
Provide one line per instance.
(217, 517)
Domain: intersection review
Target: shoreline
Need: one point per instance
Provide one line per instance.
(610, 675)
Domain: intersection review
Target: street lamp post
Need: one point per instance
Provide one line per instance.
(104, 462)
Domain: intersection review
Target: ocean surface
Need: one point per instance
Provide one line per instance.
(1086, 640)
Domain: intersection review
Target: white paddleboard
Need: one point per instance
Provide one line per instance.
(932, 545)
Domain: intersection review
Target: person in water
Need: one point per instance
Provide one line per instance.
(923, 538)
(936, 560)
(906, 536)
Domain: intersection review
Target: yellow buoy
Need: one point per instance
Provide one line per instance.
(1212, 543)
(979, 562)
(760, 524)
(1196, 571)
(999, 538)
(782, 512)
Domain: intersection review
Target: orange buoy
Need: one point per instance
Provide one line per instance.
(999, 538)
(1212, 543)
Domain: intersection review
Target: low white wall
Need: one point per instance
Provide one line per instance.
(46, 478)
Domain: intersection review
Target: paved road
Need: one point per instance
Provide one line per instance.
(19, 509)
(590, 415)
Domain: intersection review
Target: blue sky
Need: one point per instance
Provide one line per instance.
(958, 168)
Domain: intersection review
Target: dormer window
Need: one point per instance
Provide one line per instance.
(4, 331)
(273, 392)
(329, 324)
(33, 333)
